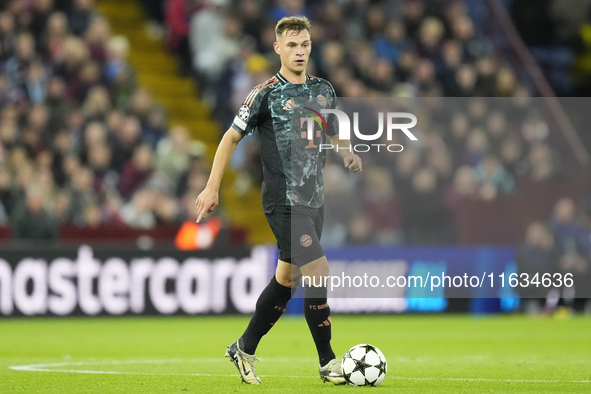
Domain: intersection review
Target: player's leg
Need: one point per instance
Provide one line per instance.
(269, 307)
(271, 303)
(309, 256)
(317, 314)
(316, 309)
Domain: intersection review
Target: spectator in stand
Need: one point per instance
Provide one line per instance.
(154, 10)
(333, 24)
(88, 78)
(119, 75)
(167, 210)
(196, 165)
(511, 151)
(571, 243)
(62, 209)
(464, 83)
(97, 105)
(112, 209)
(540, 162)
(57, 104)
(61, 148)
(31, 221)
(586, 226)
(141, 102)
(81, 192)
(178, 14)
(426, 219)
(35, 83)
(565, 228)
(360, 231)
(97, 38)
(155, 127)
(476, 147)
(99, 161)
(252, 71)
(382, 78)
(506, 83)
(392, 42)
(285, 8)
(43, 179)
(493, 178)
(214, 43)
(127, 138)
(17, 65)
(80, 16)
(8, 34)
(429, 39)
(138, 213)
(464, 188)
(172, 153)
(538, 255)
(253, 18)
(91, 216)
(136, 171)
(6, 188)
(41, 9)
(95, 135)
(54, 36)
(381, 205)
(68, 65)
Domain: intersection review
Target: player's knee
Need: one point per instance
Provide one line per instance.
(292, 280)
(321, 272)
(295, 282)
(318, 268)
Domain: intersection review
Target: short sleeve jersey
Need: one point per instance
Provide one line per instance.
(284, 114)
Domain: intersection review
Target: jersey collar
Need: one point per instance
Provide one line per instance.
(283, 80)
(280, 77)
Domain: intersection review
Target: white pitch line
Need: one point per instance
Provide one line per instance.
(494, 380)
(46, 368)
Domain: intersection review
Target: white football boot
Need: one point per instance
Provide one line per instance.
(332, 372)
(245, 364)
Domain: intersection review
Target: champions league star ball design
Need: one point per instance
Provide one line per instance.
(243, 112)
(364, 365)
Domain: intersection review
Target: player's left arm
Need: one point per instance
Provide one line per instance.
(344, 150)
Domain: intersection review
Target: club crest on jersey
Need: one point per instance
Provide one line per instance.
(305, 240)
(243, 112)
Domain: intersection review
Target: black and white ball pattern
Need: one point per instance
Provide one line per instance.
(244, 112)
(364, 365)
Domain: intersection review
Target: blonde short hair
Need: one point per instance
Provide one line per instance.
(295, 23)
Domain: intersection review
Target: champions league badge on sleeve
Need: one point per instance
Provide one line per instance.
(243, 112)
(242, 117)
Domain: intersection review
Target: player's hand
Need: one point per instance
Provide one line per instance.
(206, 202)
(353, 162)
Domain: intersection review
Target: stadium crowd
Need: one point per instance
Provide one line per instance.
(369, 49)
(80, 142)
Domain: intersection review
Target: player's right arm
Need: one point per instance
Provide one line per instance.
(209, 198)
(244, 124)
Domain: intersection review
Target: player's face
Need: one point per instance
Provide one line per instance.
(293, 49)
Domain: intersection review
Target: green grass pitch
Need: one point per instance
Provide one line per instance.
(426, 354)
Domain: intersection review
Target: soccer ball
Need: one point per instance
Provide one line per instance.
(364, 365)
